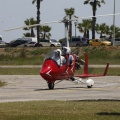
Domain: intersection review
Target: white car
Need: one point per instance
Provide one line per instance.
(49, 43)
(2, 44)
(31, 44)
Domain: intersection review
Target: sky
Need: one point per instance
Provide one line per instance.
(15, 12)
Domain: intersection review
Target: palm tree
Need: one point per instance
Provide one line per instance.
(28, 22)
(110, 32)
(94, 4)
(69, 13)
(84, 27)
(27, 34)
(38, 16)
(101, 29)
(46, 29)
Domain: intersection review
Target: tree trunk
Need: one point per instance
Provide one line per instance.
(94, 20)
(38, 20)
(88, 34)
(32, 33)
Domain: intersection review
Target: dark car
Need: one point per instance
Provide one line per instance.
(18, 42)
(77, 41)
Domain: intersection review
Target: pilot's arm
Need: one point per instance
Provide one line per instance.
(63, 60)
(71, 60)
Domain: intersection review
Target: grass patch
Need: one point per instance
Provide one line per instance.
(35, 56)
(60, 110)
(2, 84)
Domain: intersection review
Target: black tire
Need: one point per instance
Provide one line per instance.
(51, 86)
(40, 45)
(37, 45)
(90, 44)
(63, 45)
(89, 86)
(52, 45)
(102, 45)
(77, 45)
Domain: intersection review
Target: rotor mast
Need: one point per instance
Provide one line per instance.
(66, 22)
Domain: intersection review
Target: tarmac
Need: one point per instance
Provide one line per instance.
(34, 88)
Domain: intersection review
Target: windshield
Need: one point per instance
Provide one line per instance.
(50, 54)
(102, 39)
(52, 40)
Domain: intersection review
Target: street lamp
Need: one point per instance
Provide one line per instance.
(75, 27)
(114, 25)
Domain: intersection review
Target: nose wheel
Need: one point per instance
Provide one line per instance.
(51, 86)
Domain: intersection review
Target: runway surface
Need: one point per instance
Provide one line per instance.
(33, 87)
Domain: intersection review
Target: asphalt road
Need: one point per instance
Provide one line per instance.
(33, 87)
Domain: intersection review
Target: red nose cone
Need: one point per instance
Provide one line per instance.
(49, 70)
(45, 72)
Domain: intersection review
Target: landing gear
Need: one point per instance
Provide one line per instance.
(51, 86)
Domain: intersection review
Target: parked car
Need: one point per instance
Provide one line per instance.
(99, 42)
(18, 42)
(49, 43)
(2, 44)
(0, 37)
(116, 41)
(31, 44)
(77, 41)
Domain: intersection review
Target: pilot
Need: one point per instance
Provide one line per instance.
(68, 56)
(67, 53)
(58, 58)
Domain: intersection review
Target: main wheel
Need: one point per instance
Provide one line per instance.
(51, 86)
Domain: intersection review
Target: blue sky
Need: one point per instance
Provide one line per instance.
(15, 12)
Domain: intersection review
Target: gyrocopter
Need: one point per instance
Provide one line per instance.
(51, 71)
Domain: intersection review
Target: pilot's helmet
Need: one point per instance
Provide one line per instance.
(66, 50)
(59, 51)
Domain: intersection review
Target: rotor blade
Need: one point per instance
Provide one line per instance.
(100, 15)
(35, 25)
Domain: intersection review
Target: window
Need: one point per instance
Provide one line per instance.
(117, 39)
(75, 39)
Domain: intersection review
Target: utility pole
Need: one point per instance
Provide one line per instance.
(75, 27)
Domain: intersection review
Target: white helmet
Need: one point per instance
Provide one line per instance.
(66, 50)
(58, 50)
